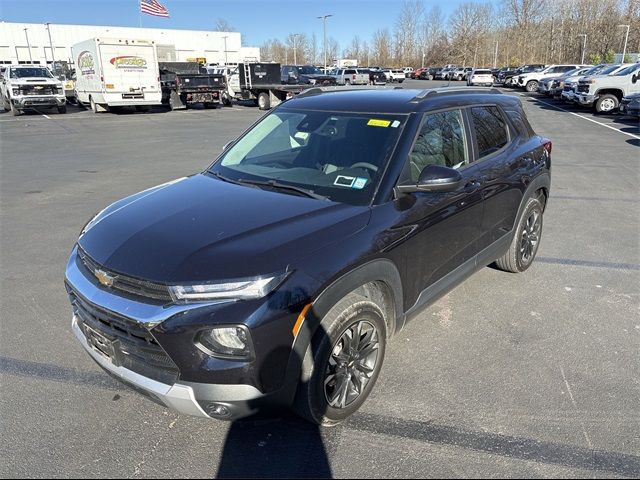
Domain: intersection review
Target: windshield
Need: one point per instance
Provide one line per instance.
(309, 70)
(628, 70)
(23, 72)
(607, 70)
(341, 156)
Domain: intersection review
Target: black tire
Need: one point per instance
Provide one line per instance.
(311, 400)
(347, 82)
(16, 112)
(62, 109)
(607, 103)
(264, 103)
(526, 232)
(400, 81)
(226, 99)
(532, 86)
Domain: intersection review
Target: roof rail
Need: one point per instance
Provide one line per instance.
(338, 88)
(449, 90)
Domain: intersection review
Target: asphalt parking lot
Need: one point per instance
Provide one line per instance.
(531, 375)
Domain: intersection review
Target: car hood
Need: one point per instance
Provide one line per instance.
(202, 229)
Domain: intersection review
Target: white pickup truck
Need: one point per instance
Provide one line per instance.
(604, 92)
(30, 86)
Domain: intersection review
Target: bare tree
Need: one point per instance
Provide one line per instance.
(222, 25)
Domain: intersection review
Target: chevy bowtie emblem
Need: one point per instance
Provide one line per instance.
(104, 278)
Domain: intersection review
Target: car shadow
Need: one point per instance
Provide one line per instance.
(274, 443)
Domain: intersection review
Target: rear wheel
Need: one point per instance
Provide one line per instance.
(526, 239)
(606, 103)
(264, 103)
(62, 109)
(532, 86)
(343, 361)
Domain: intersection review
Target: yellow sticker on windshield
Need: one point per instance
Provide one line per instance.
(379, 123)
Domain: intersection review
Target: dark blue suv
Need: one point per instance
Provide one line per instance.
(277, 276)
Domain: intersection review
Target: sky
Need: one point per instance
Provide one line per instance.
(256, 20)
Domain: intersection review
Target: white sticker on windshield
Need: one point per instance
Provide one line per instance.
(359, 183)
(344, 181)
(395, 124)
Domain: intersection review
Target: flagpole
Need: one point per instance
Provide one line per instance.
(140, 12)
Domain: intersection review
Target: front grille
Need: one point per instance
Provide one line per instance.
(38, 89)
(133, 286)
(567, 88)
(130, 344)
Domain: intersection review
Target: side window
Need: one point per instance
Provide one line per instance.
(441, 141)
(490, 129)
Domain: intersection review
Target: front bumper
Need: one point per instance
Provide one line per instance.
(219, 386)
(569, 96)
(34, 101)
(186, 398)
(585, 99)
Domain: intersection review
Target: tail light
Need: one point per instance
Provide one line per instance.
(547, 146)
(101, 78)
(354, 76)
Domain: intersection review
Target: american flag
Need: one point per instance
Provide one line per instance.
(152, 7)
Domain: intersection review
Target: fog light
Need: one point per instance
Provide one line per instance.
(233, 342)
(218, 410)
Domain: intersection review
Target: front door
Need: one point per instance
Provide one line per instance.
(445, 226)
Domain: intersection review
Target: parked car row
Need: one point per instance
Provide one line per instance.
(605, 88)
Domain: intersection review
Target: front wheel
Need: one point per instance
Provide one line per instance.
(15, 111)
(342, 363)
(526, 239)
(606, 103)
(62, 109)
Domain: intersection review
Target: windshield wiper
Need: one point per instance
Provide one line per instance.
(225, 179)
(281, 186)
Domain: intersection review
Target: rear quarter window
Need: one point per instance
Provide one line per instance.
(490, 128)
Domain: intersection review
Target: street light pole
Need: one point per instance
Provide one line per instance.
(324, 24)
(295, 52)
(495, 56)
(28, 44)
(584, 46)
(626, 37)
(53, 57)
(226, 61)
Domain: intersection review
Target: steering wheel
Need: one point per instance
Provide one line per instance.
(370, 166)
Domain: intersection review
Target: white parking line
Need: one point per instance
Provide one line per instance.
(46, 116)
(586, 118)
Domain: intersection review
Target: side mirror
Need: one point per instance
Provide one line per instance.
(434, 178)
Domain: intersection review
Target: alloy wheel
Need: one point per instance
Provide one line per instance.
(607, 105)
(352, 363)
(530, 237)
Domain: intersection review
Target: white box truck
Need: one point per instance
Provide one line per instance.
(117, 72)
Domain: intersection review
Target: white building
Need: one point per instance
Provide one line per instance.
(29, 43)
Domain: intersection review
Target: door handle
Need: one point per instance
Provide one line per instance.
(472, 186)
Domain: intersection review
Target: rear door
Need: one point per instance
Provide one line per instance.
(501, 169)
(129, 68)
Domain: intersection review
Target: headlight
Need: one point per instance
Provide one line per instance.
(238, 290)
(228, 342)
(60, 90)
(16, 91)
